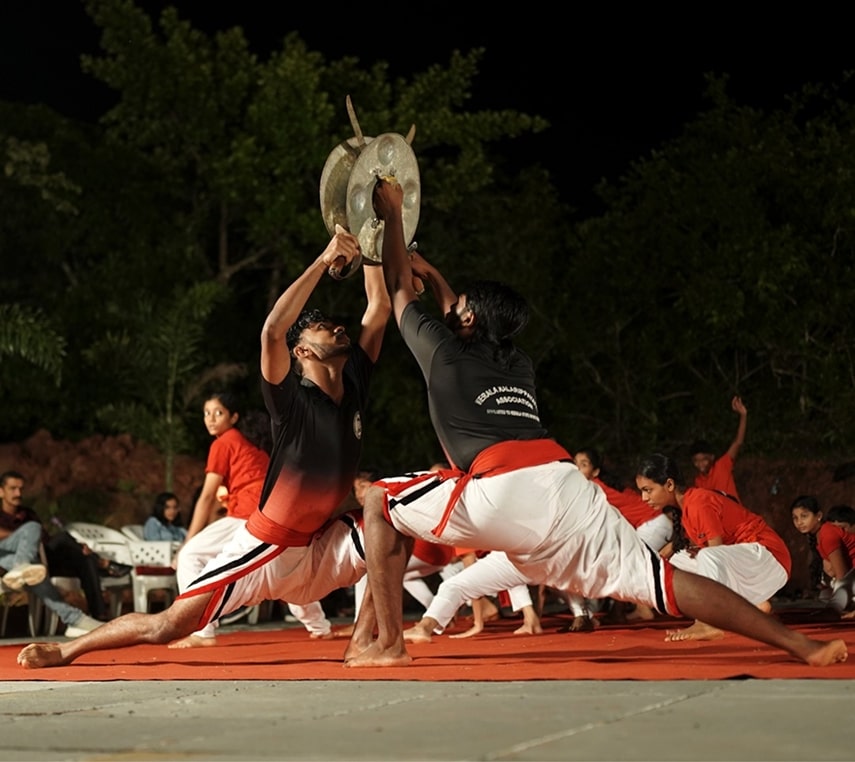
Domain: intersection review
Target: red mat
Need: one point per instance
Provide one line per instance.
(633, 652)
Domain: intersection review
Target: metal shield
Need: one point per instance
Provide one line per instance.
(334, 178)
(387, 155)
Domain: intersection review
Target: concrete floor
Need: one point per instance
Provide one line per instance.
(738, 720)
(320, 720)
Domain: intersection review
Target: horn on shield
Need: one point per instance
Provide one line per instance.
(347, 185)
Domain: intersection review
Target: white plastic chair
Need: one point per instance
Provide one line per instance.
(39, 615)
(151, 561)
(133, 531)
(109, 543)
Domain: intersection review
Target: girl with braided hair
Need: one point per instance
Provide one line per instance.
(716, 537)
(833, 545)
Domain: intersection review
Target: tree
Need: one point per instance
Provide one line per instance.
(721, 266)
(205, 172)
(241, 141)
(156, 367)
(28, 334)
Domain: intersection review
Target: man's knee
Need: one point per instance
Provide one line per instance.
(29, 534)
(177, 621)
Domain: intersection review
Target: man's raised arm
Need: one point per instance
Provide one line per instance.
(377, 310)
(388, 202)
(275, 357)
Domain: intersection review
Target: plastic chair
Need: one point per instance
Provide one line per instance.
(133, 531)
(136, 532)
(96, 534)
(152, 561)
(65, 584)
(34, 604)
(114, 544)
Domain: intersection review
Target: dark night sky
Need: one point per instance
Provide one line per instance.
(614, 86)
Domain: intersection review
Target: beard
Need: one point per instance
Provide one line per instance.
(328, 351)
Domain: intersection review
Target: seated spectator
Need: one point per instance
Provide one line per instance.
(21, 534)
(165, 520)
(843, 516)
(716, 537)
(834, 545)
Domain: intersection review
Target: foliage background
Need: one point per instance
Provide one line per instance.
(146, 249)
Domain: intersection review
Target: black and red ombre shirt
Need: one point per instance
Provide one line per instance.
(316, 452)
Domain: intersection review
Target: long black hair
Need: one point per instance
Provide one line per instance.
(660, 468)
(501, 313)
(254, 424)
(810, 503)
(159, 508)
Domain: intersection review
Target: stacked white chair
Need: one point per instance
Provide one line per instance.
(133, 531)
(151, 561)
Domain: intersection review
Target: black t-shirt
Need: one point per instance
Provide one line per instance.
(474, 402)
(22, 515)
(316, 450)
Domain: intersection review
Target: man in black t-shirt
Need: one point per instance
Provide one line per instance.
(315, 385)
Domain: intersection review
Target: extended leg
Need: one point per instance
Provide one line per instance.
(180, 619)
(713, 603)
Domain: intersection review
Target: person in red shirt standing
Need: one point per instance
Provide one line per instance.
(834, 545)
(717, 473)
(716, 537)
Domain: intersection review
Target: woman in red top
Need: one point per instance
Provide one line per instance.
(234, 462)
(834, 545)
(715, 537)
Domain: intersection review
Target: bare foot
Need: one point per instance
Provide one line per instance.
(579, 624)
(193, 641)
(698, 631)
(322, 635)
(473, 630)
(848, 614)
(823, 655)
(344, 632)
(529, 628)
(765, 607)
(355, 647)
(38, 655)
(417, 634)
(374, 656)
